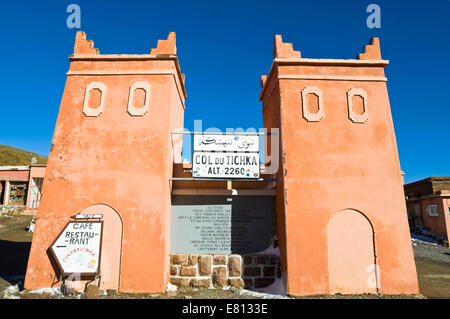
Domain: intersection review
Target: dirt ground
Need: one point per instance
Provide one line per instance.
(432, 261)
(433, 269)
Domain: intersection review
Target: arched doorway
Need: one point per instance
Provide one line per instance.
(351, 254)
(111, 245)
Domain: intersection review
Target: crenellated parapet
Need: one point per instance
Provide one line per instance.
(371, 51)
(283, 50)
(166, 46)
(83, 46)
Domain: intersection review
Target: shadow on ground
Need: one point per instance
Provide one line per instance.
(13, 263)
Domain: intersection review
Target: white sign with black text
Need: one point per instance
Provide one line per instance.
(225, 165)
(77, 249)
(226, 143)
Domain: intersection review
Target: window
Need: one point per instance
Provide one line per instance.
(17, 193)
(357, 114)
(432, 210)
(95, 94)
(312, 104)
(35, 192)
(138, 99)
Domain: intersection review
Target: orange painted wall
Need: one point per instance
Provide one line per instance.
(335, 164)
(35, 172)
(435, 224)
(326, 167)
(114, 159)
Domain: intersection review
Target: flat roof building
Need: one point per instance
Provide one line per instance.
(428, 204)
(21, 186)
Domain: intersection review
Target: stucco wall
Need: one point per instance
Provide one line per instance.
(115, 159)
(335, 163)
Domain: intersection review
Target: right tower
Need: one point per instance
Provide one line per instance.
(341, 213)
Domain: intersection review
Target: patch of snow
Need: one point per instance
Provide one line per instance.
(11, 291)
(226, 288)
(277, 288)
(47, 290)
(245, 292)
(415, 238)
(31, 228)
(171, 287)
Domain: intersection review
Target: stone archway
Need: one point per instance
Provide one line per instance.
(351, 254)
(111, 245)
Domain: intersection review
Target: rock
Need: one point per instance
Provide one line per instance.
(174, 270)
(110, 292)
(92, 292)
(179, 281)
(202, 283)
(187, 297)
(188, 271)
(220, 276)
(172, 293)
(67, 291)
(234, 266)
(193, 260)
(179, 259)
(204, 265)
(220, 260)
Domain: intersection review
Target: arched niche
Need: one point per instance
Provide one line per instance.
(351, 254)
(111, 252)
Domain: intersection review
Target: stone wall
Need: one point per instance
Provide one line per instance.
(209, 271)
(260, 270)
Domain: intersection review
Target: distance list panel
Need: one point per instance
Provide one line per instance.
(218, 226)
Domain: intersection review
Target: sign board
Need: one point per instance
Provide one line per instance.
(77, 248)
(226, 143)
(225, 165)
(215, 225)
(88, 216)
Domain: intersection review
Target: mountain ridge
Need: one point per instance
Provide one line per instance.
(12, 156)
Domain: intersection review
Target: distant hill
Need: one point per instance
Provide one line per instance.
(11, 156)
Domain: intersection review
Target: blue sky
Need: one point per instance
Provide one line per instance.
(223, 48)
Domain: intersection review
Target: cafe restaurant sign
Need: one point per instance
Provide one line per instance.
(77, 248)
(225, 156)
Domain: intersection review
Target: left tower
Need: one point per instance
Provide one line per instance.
(112, 154)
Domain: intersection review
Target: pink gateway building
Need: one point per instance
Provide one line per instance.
(21, 186)
(331, 219)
